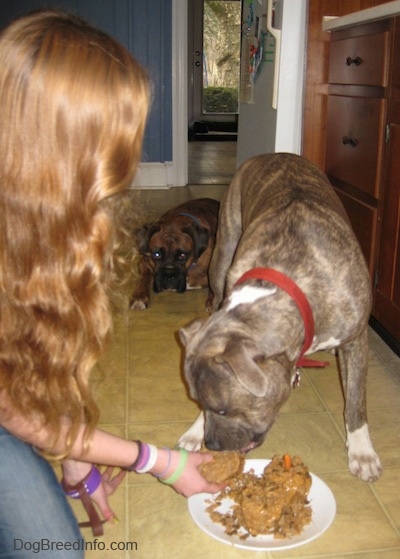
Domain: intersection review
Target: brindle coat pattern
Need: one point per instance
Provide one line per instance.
(279, 212)
(175, 251)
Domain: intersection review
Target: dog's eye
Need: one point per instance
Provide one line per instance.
(156, 255)
(182, 256)
(222, 412)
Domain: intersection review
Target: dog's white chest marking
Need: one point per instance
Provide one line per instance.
(247, 295)
(324, 344)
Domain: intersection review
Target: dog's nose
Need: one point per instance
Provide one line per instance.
(170, 272)
(212, 444)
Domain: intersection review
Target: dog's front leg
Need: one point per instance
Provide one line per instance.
(363, 460)
(193, 438)
(140, 297)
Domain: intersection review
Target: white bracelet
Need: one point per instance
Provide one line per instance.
(151, 460)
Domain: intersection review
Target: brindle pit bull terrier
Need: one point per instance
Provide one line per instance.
(288, 278)
(175, 251)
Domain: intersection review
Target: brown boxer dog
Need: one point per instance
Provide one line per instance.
(175, 251)
(288, 278)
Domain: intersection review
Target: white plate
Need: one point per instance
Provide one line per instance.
(322, 502)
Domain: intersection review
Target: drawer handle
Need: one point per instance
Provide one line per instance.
(356, 61)
(353, 142)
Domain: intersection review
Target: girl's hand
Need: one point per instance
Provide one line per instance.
(109, 484)
(191, 481)
(74, 471)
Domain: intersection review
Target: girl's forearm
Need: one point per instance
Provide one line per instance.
(103, 449)
(110, 450)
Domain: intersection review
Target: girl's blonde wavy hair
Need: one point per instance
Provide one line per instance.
(73, 106)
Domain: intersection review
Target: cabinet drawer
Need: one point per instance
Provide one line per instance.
(359, 60)
(354, 140)
(363, 220)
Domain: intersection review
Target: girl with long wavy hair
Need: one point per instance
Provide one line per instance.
(73, 107)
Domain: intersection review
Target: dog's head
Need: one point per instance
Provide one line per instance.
(170, 249)
(238, 385)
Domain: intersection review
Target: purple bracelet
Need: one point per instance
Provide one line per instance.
(143, 457)
(145, 460)
(133, 466)
(90, 483)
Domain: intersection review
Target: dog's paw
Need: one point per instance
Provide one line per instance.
(366, 467)
(192, 439)
(139, 304)
(189, 443)
(363, 460)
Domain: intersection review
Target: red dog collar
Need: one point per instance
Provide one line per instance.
(298, 296)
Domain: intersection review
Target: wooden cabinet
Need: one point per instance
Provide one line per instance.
(359, 60)
(363, 151)
(354, 141)
(387, 286)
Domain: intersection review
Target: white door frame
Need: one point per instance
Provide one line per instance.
(289, 117)
(173, 173)
(179, 92)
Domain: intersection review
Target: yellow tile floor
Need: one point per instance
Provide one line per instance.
(211, 162)
(141, 394)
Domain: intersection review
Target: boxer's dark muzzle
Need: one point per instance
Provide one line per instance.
(170, 278)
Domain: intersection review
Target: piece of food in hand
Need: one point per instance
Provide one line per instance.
(224, 466)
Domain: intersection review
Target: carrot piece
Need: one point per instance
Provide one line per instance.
(287, 461)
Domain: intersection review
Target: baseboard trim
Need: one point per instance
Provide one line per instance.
(155, 175)
(385, 335)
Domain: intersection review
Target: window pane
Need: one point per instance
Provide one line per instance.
(221, 52)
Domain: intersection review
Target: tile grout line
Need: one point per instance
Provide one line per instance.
(385, 511)
(325, 407)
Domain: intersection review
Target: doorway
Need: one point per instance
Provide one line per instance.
(214, 32)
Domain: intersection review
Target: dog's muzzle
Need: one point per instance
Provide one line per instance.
(170, 278)
(241, 440)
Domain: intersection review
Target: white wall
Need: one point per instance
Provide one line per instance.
(263, 129)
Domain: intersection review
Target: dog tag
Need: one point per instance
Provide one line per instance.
(296, 379)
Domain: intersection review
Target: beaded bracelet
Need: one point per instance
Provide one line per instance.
(90, 483)
(183, 458)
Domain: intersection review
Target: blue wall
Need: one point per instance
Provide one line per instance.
(145, 28)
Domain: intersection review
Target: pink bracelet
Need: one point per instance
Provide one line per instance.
(90, 483)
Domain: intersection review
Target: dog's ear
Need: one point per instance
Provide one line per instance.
(244, 361)
(200, 237)
(187, 332)
(143, 235)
